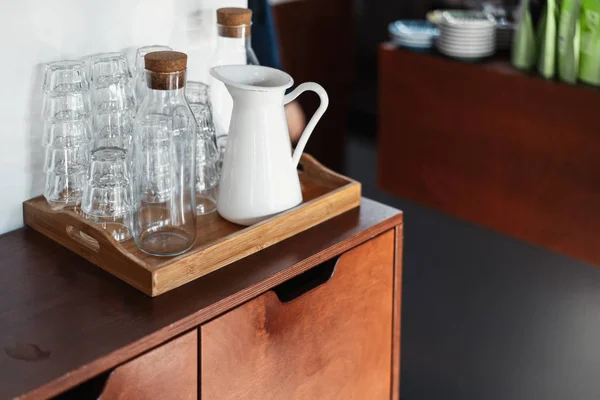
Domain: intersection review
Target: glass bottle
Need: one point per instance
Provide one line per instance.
(233, 48)
(165, 130)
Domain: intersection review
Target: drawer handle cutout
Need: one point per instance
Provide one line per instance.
(306, 281)
(88, 390)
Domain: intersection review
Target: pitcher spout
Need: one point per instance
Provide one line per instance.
(252, 78)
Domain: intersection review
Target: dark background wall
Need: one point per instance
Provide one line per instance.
(334, 42)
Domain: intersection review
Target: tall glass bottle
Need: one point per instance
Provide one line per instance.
(233, 48)
(165, 130)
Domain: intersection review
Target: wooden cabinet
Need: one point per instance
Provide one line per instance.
(486, 143)
(332, 342)
(316, 316)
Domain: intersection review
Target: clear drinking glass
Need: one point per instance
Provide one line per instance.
(65, 77)
(64, 190)
(66, 160)
(65, 106)
(112, 82)
(106, 68)
(114, 101)
(165, 134)
(66, 110)
(140, 71)
(113, 129)
(108, 195)
(207, 161)
(113, 96)
(66, 92)
(68, 133)
(197, 93)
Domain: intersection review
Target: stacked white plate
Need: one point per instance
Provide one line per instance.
(413, 34)
(467, 35)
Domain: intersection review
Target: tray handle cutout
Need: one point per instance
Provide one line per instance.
(83, 238)
(306, 281)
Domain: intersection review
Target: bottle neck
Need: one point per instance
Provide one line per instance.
(165, 96)
(172, 83)
(234, 32)
(234, 45)
(226, 43)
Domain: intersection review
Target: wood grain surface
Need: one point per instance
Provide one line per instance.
(333, 342)
(63, 320)
(167, 372)
(397, 312)
(326, 194)
(508, 151)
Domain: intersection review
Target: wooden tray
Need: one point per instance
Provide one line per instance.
(218, 242)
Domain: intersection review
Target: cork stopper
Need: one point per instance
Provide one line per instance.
(234, 22)
(167, 69)
(234, 16)
(165, 61)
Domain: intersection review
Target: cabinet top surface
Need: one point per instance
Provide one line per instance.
(63, 320)
(497, 67)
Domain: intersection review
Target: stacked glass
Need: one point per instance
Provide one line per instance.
(113, 100)
(207, 156)
(108, 195)
(66, 111)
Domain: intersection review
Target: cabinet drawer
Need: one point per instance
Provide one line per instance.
(332, 342)
(167, 372)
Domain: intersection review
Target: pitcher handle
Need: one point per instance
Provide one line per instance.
(318, 89)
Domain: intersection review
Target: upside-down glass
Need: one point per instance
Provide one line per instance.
(67, 133)
(139, 75)
(66, 111)
(112, 83)
(66, 160)
(113, 129)
(66, 77)
(207, 161)
(66, 106)
(114, 101)
(198, 93)
(112, 96)
(164, 160)
(64, 190)
(66, 170)
(66, 91)
(108, 195)
(106, 68)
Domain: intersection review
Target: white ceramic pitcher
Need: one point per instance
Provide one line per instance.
(259, 176)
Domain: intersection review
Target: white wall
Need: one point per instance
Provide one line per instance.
(34, 32)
